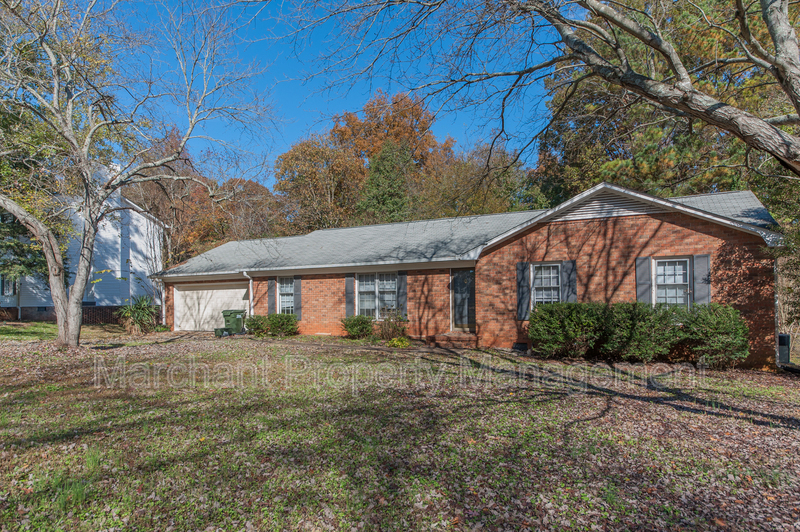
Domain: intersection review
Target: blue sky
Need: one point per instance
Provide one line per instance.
(303, 107)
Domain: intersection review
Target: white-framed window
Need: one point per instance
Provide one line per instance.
(672, 281)
(545, 284)
(286, 295)
(377, 294)
(8, 287)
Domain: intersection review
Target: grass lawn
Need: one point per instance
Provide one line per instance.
(46, 330)
(242, 434)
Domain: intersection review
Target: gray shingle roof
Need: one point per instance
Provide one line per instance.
(740, 206)
(423, 241)
(405, 242)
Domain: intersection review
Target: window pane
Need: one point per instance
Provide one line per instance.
(672, 282)
(366, 283)
(387, 281)
(286, 295)
(286, 285)
(388, 301)
(672, 272)
(546, 295)
(546, 275)
(546, 284)
(287, 303)
(366, 303)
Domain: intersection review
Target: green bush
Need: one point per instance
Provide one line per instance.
(565, 329)
(401, 342)
(258, 326)
(717, 334)
(638, 331)
(392, 325)
(272, 325)
(358, 326)
(139, 315)
(282, 324)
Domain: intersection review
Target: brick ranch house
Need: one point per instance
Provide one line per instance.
(471, 281)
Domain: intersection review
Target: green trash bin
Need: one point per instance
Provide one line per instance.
(234, 320)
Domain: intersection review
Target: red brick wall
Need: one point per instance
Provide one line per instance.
(169, 306)
(428, 296)
(605, 251)
(322, 302)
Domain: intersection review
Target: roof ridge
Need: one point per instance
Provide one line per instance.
(425, 220)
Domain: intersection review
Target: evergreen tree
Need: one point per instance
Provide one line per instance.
(385, 196)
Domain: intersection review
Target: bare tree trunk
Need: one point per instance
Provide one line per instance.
(68, 304)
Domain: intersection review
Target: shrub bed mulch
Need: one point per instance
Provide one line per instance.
(342, 439)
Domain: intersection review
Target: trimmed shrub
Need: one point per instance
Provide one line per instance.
(713, 334)
(565, 329)
(638, 331)
(392, 325)
(717, 334)
(258, 326)
(282, 324)
(139, 315)
(358, 326)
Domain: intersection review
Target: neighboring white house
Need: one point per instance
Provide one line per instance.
(127, 251)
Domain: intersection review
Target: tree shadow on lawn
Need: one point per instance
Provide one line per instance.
(391, 458)
(674, 397)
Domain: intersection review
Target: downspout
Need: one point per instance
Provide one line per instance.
(163, 311)
(250, 292)
(19, 299)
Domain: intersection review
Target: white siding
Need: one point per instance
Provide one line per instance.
(34, 292)
(126, 252)
(144, 254)
(608, 205)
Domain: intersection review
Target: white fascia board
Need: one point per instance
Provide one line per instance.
(317, 270)
(224, 283)
(771, 238)
(144, 213)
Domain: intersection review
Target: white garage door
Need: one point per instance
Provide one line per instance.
(199, 308)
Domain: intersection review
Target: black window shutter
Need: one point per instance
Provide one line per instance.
(271, 295)
(569, 281)
(702, 279)
(349, 294)
(523, 290)
(644, 280)
(402, 293)
(298, 298)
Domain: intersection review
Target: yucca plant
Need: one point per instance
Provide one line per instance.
(139, 315)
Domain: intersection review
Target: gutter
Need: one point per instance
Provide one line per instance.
(167, 276)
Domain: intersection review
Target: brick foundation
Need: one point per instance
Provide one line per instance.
(91, 315)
